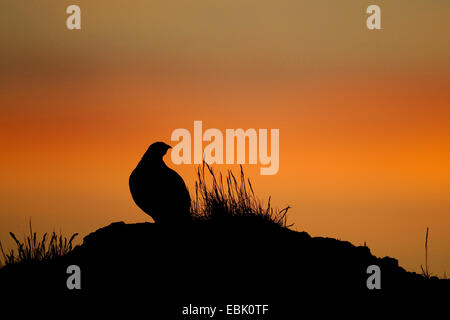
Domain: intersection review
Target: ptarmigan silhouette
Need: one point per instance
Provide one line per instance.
(158, 190)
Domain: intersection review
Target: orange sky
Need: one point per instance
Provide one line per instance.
(364, 118)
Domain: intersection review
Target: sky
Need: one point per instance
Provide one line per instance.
(364, 116)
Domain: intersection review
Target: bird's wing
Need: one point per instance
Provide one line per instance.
(179, 187)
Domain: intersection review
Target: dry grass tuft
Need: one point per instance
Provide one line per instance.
(234, 197)
(32, 249)
(425, 271)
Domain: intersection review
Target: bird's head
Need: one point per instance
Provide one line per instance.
(156, 151)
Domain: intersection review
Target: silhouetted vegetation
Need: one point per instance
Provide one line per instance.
(234, 198)
(425, 271)
(33, 249)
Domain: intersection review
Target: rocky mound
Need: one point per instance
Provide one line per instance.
(234, 261)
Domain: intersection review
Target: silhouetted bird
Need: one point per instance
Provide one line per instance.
(158, 190)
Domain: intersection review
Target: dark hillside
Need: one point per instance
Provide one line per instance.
(236, 260)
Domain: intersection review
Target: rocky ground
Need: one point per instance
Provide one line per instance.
(236, 261)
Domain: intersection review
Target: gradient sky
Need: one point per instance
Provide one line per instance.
(364, 116)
